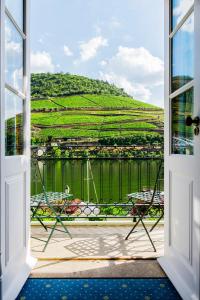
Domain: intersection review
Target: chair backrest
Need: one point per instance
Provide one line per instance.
(37, 177)
(158, 193)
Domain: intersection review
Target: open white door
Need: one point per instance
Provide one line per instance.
(14, 147)
(181, 260)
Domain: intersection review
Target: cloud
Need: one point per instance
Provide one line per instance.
(188, 26)
(41, 41)
(139, 91)
(88, 50)
(181, 9)
(41, 62)
(17, 76)
(135, 70)
(110, 24)
(138, 64)
(103, 63)
(13, 47)
(97, 29)
(114, 23)
(67, 51)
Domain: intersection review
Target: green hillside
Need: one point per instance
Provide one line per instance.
(72, 106)
(91, 101)
(58, 85)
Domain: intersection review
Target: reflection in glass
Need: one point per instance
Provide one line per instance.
(13, 124)
(16, 9)
(183, 55)
(14, 56)
(179, 9)
(182, 135)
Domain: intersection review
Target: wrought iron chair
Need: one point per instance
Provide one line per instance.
(48, 205)
(148, 204)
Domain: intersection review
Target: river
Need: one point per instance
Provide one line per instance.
(98, 181)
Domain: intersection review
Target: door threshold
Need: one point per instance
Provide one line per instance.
(95, 258)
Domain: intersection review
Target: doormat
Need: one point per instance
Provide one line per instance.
(99, 289)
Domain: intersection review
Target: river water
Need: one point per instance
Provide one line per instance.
(98, 181)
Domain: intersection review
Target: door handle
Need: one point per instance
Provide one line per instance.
(189, 121)
(196, 121)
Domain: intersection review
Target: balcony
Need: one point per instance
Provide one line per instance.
(97, 251)
(100, 220)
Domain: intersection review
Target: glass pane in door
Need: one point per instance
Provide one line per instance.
(16, 9)
(179, 9)
(182, 68)
(14, 133)
(182, 135)
(14, 56)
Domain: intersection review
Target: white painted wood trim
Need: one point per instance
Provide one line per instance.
(2, 145)
(21, 277)
(183, 89)
(182, 270)
(167, 129)
(181, 287)
(27, 122)
(178, 26)
(13, 279)
(196, 204)
(14, 23)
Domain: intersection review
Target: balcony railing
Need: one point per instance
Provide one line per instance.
(100, 188)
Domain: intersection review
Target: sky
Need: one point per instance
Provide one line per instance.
(121, 41)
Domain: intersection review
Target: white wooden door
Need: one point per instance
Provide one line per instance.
(14, 147)
(181, 260)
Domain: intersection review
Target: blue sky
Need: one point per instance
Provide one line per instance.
(120, 41)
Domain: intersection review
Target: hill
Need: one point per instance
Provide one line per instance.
(58, 85)
(74, 107)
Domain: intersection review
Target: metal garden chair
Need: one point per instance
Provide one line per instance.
(48, 205)
(148, 203)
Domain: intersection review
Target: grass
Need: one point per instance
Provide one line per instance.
(140, 125)
(108, 101)
(39, 104)
(61, 118)
(95, 116)
(73, 133)
(117, 112)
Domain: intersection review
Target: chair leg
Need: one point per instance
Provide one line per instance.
(131, 231)
(61, 222)
(49, 237)
(148, 235)
(152, 228)
(38, 218)
(58, 220)
(65, 228)
(42, 223)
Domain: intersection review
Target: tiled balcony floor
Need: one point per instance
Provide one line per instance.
(98, 242)
(95, 248)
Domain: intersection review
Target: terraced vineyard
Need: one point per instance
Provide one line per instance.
(93, 116)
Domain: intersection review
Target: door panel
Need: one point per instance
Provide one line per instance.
(16, 261)
(181, 259)
(181, 254)
(14, 211)
(180, 188)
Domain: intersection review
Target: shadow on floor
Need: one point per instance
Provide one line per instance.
(98, 269)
